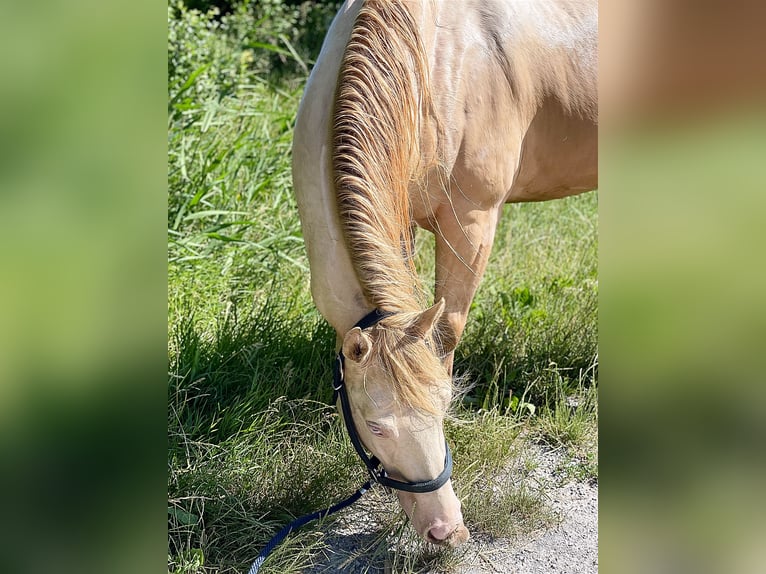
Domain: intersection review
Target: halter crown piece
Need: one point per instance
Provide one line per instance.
(377, 472)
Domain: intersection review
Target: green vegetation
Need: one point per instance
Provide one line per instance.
(252, 439)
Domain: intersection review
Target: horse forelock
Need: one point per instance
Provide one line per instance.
(416, 374)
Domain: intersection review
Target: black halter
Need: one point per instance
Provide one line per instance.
(377, 472)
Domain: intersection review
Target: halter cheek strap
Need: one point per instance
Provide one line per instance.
(377, 472)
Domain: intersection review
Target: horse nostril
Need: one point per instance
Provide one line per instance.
(439, 533)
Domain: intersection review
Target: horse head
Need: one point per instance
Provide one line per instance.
(398, 393)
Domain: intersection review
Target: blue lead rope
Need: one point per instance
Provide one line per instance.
(298, 522)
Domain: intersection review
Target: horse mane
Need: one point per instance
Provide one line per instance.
(380, 94)
(381, 97)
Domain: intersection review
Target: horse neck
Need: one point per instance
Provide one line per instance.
(335, 287)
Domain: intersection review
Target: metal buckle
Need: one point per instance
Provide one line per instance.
(376, 474)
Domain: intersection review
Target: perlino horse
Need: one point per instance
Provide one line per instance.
(435, 113)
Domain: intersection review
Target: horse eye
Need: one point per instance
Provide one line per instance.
(374, 429)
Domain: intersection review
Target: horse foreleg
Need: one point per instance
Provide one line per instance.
(462, 251)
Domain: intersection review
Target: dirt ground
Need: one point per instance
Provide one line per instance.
(570, 546)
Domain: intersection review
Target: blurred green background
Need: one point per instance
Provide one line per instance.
(83, 295)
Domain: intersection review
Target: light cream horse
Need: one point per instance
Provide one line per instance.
(433, 113)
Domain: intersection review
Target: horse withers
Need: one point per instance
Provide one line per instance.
(430, 113)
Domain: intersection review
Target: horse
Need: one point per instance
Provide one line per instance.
(430, 113)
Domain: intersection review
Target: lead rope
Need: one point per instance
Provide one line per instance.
(298, 522)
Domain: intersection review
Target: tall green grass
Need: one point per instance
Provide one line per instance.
(252, 440)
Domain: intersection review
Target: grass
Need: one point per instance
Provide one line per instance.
(570, 422)
(252, 441)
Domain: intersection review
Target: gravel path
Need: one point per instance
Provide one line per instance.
(569, 547)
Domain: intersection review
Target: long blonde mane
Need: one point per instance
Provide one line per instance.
(381, 90)
(381, 95)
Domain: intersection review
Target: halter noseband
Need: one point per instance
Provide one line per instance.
(377, 472)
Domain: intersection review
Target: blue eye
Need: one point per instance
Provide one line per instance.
(374, 428)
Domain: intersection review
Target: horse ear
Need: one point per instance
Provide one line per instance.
(424, 324)
(356, 345)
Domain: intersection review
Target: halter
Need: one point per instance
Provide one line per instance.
(374, 466)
